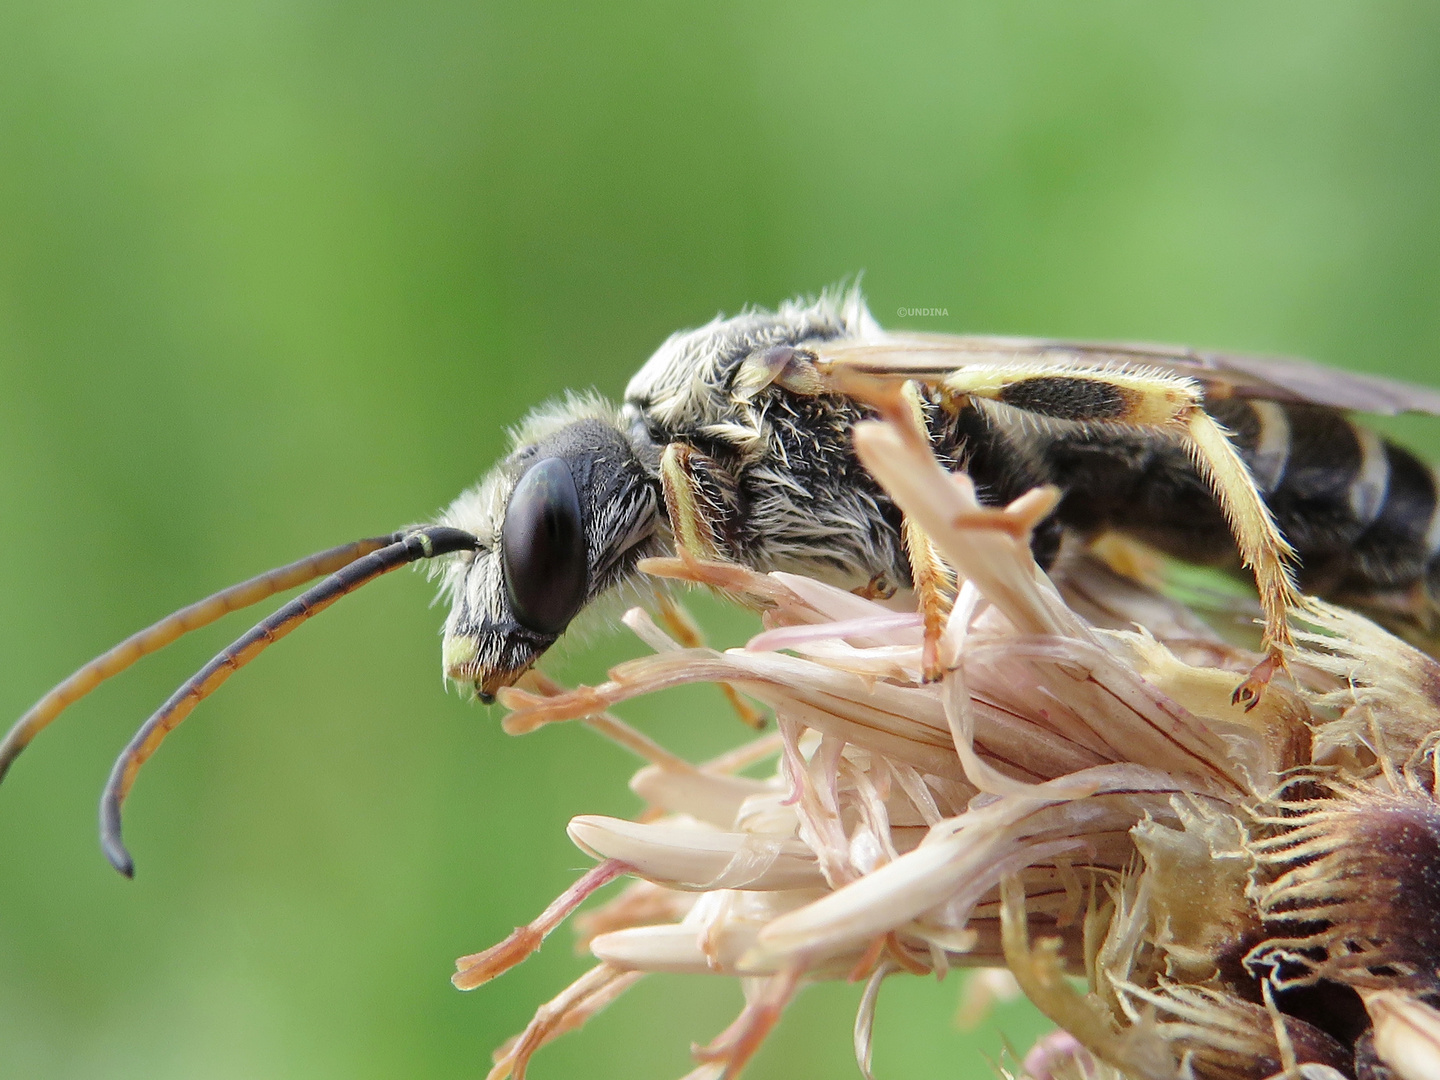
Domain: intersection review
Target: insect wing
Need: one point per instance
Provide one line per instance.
(1273, 378)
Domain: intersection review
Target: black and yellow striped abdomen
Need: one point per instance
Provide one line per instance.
(1360, 511)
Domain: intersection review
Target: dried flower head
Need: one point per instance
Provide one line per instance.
(1244, 894)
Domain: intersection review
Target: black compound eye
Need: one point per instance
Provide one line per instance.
(542, 548)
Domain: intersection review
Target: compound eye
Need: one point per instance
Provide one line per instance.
(542, 548)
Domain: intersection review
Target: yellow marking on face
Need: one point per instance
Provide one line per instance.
(458, 652)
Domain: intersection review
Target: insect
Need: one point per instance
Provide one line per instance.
(733, 443)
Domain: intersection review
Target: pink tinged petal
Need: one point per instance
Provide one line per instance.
(478, 968)
(881, 628)
(961, 860)
(944, 505)
(872, 905)
(765, 1000)
(902, 722)
(958, 623)
(686, 949)
(669, 948)
(698, 858)
(887, 733)
(864, 1035)
(900, 663)
(961, 716)
(713, 799)
(567, 1011)
(893, 894)
(644, 627)
(1059, 1048)
(917, 791)
(832, 603)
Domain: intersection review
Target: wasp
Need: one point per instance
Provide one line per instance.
(733, 443)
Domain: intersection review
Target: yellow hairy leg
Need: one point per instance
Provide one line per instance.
(933, 580)
(1262, 548)
(681, 625)
(695, 536)
(1153, 400)
(694, 533)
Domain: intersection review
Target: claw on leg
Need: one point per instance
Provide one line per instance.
(1247, 694)
(1262, 548)
(878, 587)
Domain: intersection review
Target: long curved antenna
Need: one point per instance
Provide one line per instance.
(172, 627)
(425, 543)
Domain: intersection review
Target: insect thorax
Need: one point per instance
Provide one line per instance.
(776, 469)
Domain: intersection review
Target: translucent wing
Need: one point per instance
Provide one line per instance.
(1274, 378)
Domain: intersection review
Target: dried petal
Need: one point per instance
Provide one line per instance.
(1074, 797)
(1406, 1036)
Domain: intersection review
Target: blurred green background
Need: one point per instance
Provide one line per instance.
(276, 275)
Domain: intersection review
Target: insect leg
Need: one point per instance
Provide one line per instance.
(693, 510)
(676, 619)
(934, 583)
(1262, 548)
(694, 502)
(1129, 558)
(1173, 405)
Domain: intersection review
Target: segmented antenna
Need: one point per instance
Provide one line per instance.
(349, 566)
(408, 547)
(172, 628)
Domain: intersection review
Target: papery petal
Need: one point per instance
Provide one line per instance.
(711, 798)
(1407, 1034)
(696, 858)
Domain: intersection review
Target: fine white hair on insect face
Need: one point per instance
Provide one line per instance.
(480, 508)
(690, 380)
(550, 417)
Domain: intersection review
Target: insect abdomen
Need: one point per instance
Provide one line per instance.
(1359, 510)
